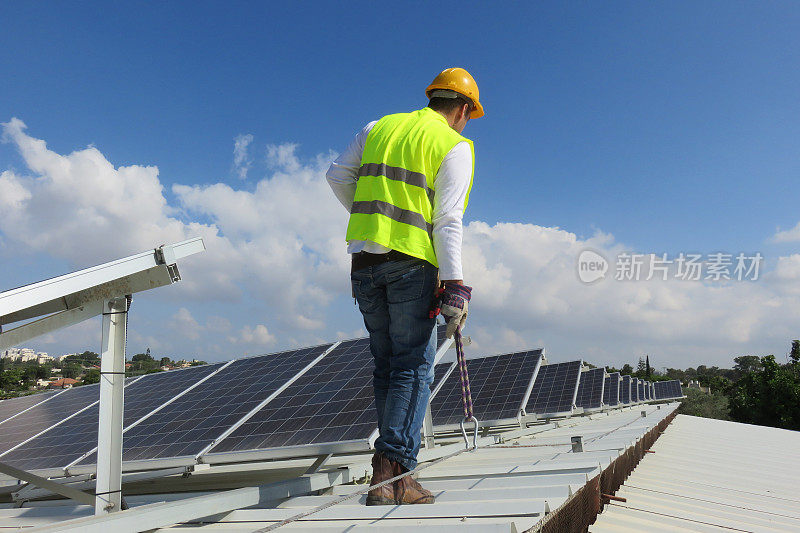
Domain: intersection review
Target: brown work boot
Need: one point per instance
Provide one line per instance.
(407, 490)
(381, 471)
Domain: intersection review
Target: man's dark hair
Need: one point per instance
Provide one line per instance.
(446, 105)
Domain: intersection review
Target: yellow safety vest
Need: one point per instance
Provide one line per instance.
(393, 204)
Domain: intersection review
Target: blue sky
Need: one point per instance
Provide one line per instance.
(671, 126)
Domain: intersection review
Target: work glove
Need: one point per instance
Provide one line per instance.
(455, 300)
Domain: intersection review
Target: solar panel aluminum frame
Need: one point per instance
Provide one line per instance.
(619, 403)
(533, 417)
(520, 420)
(602, 407)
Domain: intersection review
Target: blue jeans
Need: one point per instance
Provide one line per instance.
(395, 299)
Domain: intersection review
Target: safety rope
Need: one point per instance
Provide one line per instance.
(357, 493)
(466, 393)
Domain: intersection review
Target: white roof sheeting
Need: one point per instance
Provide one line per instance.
(711, 475)
(508, 486)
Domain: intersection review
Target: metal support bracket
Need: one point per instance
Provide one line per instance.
(112, 385)
(427, 428)
(319, 463)
(48, 484)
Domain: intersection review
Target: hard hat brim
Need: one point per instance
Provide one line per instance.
(477, 112)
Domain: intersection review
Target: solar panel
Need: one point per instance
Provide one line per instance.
(641, 387)
(332, 403)
(499, 386)
(555, 389)
(611, 389)
(647, 388)
(590, 389)
(652, 391)
(14, 406)
(193, 421)
(67, 442)
(665, 390)
(625, 390)
(44, 415)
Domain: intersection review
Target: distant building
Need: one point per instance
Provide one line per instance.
(63, 383)
(694, 384)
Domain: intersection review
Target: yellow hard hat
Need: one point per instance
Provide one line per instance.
(460, 81)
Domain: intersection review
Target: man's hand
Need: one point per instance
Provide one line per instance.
(455, 300)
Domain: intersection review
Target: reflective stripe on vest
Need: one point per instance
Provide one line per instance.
(393, 204)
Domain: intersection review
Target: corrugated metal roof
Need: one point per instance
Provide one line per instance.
(711, 475)
(503, 487)
(508, 484)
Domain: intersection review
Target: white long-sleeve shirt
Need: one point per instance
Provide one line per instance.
(451, 185)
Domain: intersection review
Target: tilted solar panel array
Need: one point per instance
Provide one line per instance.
(68, 442)
(667, 390)
(14, 406)
(196, 419)
(332, 402)
(590, 389)
(626, 388)
(44, 415)
(183, 413)
(642, 388)
(611, 390)
(555, 389)
(498, 384)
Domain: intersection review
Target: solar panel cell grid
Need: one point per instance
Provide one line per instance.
(625, 390)
(498, 385)
(14, 406)
(194, 420)
(611, 389)
(332, 402)
(590, 389)
(555, 388)
(667, 389)
(63, 444)
(46, 414)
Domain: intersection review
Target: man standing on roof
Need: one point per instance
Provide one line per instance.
(405, 180)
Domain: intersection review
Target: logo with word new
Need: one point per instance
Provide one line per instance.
(591, 266)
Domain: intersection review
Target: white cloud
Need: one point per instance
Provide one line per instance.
(275, 258)
(241, 159)
(185, 325)
(257, 336)
(790, 235)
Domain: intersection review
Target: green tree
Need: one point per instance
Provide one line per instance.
(746, 363)
(165, 361)
(768, 397)
(626, 370)
(697, 403)
(648, 370)
(794, 354)
(92, 376)
(71, 370)
(641, 368)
